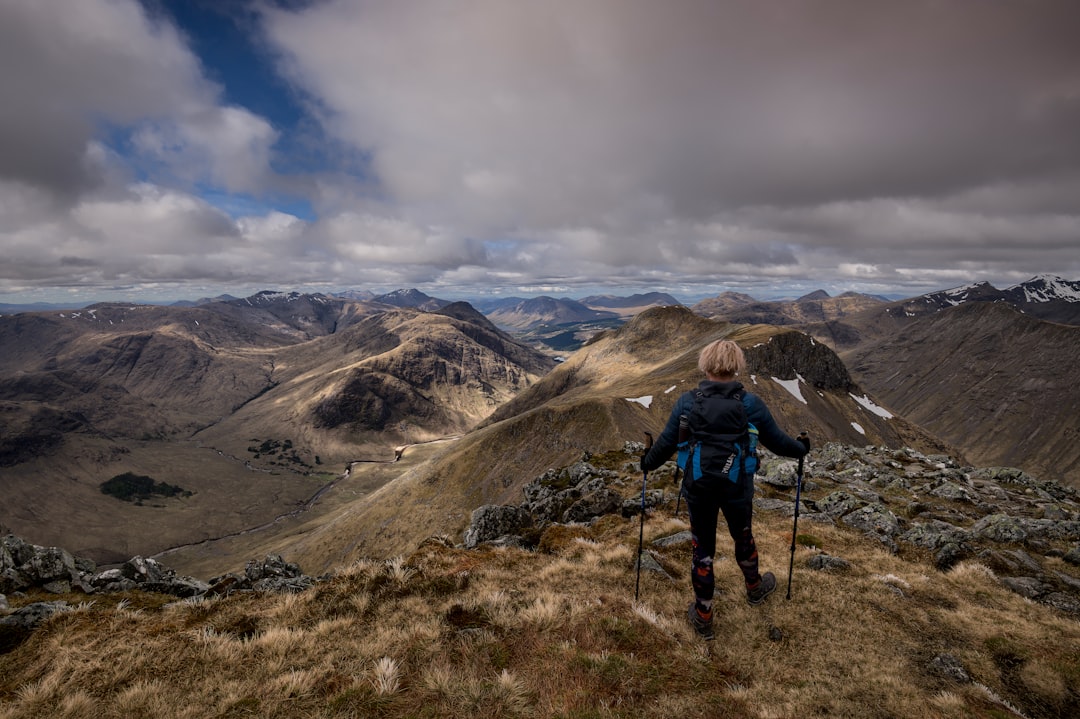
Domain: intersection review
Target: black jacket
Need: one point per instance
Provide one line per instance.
(769, 433)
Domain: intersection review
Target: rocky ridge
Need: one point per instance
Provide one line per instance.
(1023, 529)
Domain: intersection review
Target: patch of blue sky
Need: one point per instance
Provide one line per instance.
(245, 205)
(224, 34)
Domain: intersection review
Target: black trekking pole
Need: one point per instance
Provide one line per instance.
(684, 436)
(641, 531)
(678, 488)
(795, 526)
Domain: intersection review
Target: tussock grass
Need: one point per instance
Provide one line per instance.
(446, 632)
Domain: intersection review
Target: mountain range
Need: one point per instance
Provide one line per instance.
(262, 406)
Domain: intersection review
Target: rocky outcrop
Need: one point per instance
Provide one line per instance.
(25, 566)
(1001, 517)
(791, 353)
(493, 522)
(576, 494)
(272, 574)
(1014, 524)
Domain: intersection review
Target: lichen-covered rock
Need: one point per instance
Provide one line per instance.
(143, 569)
(493, 521)
(31, 615)
(825, 562)
(632, 507)
(950, 554)
(876, 521)
(948, 666)
(951, 490)
(597, 503)
(672, 540)
(935, 534)
(839, 503)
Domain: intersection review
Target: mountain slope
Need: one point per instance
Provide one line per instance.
(627, 307)
(987, 378)
(438, 372)
(412, 298)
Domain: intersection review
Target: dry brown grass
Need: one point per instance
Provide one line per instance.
(447, 632)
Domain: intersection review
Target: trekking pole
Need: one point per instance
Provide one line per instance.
(684, 436)
(678, 488)
(795, 526)
(641, 531)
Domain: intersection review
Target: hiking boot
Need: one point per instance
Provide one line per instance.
(764, 588)
(702, 627)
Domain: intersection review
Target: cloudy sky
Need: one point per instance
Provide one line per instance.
(155, 149)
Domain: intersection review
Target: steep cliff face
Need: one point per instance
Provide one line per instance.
(789, 354)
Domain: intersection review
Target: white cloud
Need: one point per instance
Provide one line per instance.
(68, 65)
(226, 146)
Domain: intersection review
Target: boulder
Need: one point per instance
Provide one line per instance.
(493, 521)
(873, 519)
(839, 503)
(1000, 528)
(949, 667)
(672, 540)
(632, 507)
(825, 562)
(31, 615)
(935, 534)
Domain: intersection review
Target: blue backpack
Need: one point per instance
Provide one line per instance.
(716, 439)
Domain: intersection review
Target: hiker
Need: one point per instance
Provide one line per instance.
(719, 422)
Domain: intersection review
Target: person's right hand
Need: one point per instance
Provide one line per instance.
(804, 440)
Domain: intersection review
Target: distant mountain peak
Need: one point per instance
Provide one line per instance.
(1046, 288)
(815, 295)
(412, 298)
(545, 310)
(976, 291)
(274, 297)
(656, 299)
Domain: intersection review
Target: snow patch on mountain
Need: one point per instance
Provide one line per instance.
(792, 386)
(868, 404)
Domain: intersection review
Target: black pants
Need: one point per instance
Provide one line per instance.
(704, 512)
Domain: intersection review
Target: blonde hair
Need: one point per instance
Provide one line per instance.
(722, 358)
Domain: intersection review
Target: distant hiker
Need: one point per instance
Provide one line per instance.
(721, 424)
